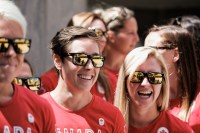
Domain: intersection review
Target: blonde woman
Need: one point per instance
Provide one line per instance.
(142, 94)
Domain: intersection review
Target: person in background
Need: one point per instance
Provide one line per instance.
(142, 94)
(122, 37)
(176, 46)
(192, 24)
(26, 79)
(76, 55)
(22, 109)
(102, 87)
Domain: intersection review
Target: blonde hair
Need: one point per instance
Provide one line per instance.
(9, 11)
(132, 61)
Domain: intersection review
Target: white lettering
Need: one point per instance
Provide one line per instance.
(6, 129)
(71, 130)
(58, 130)
(28, 130)
(18, 129)
(88, 131)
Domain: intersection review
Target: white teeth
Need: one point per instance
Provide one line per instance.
(145, 92)
(85, 77)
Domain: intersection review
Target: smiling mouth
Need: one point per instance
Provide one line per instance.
(145, 93)
(85, 77)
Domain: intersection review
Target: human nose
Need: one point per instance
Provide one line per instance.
(89, 64)
(145, 81)
(10, 51)
(137, 39)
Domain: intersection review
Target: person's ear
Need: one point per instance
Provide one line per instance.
(57, 61)
(111, 36)
(176, 55)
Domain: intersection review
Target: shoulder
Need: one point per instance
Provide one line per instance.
(176, 123)
(105, 106)
(30, 98)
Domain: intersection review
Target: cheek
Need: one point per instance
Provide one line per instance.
(132, 89)
(157, 90)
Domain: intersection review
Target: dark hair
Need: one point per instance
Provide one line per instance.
(187, 68)
(192, 24)
(62, 40)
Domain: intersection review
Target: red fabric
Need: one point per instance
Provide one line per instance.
(97, 117)
(49, 79)
(4, 125)
(96, 90)
(28, 112)
(165, 122)
(194, 118)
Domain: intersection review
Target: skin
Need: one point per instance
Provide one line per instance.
(121, 44)
(97, 23)
(143, 108)
(10, 62)
(171, 57)
(25, 71)
(75, 81)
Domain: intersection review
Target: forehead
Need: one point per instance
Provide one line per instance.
(131, 23)
(10, 29)
(97, 23)
(86, 45)
(151, 64)
(153, 39)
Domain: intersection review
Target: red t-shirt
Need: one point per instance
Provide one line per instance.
(194, 118)
(4, 125)
(50, 79)
(97, 117)
(26, 112)
(165, 123)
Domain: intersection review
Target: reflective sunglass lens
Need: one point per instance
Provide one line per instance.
(3, 46)
(33, 83)
(155, 78)
(18, 81)
(97, 61)
(21, 46)
(80, 59)
(137, 77)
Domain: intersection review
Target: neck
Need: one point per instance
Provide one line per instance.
(114, 59)
(69, 100)
(175, 89)
(6, 93)
(142, 118)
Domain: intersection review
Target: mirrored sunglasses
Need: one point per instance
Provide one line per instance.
(153, 77)
(21, 45)
(32, 83)
(81, 59)
(99, 32)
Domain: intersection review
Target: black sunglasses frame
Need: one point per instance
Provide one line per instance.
(170, 47)
(25, 82)
(14, 44)
(88, 56)
(146, 74)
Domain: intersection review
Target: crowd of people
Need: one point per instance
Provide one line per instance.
(101, 81)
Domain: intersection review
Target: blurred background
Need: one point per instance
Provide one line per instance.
(46, 17)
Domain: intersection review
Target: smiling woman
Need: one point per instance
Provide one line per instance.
(77, 57)
(142, 93)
